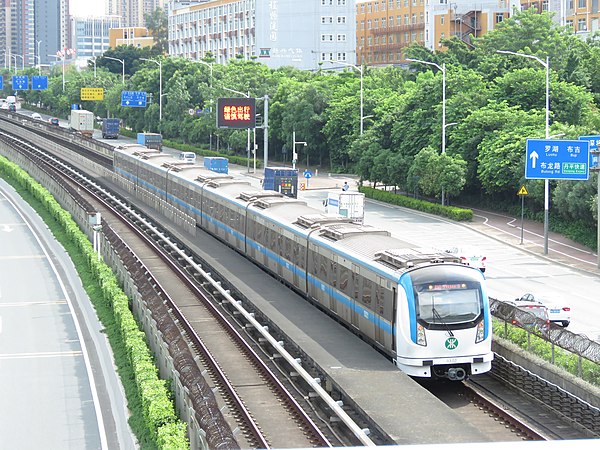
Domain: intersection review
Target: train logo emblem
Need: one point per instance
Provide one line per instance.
(451, 343)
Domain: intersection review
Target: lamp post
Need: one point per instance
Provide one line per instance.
(159, 64)
(122, 61)
(442, 68)
(211, 69)
(294, 154)
(39, 57)
(94, 61)
(248, 129)
(360, 69)
(546, 65)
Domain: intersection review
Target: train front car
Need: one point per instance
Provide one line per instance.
(444, 323)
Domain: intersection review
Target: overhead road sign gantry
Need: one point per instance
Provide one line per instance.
(136, 99)
(92, 94)
(554, 159)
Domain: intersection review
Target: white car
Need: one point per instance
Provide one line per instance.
(469, 256)
(36, 116)
(557, 313)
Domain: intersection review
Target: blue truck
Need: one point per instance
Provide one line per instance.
(111, 128)
(281, 179)
(150, 140)
(216, 164)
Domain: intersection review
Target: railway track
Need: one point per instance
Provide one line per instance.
(256, 423)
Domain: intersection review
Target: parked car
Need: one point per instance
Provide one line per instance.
(469, 256)
(36, 116)
(557, 312)
(53, 121)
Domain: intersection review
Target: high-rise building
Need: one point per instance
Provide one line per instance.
(132, 11)
(51, 28)
(91, 35)
(302, 34)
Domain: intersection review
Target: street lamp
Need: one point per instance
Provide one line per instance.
(211, 69)
(14, 55)
(546, 65)
(248, 129)
(122, 61)
(360, 69)
(442, 68)
(159, 64)
(294, 154)
(39, 57)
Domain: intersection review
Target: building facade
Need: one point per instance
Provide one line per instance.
(302, 34)
(91, 35)
(132, 11)
(137, 36)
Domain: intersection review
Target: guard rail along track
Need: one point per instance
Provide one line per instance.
(162, 308)
(575, 408)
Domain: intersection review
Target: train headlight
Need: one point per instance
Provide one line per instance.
(421, 339)
(480, 332)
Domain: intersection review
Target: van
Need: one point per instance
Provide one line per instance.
(188, 157)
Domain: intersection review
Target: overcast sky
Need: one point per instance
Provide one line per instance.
(84, 8)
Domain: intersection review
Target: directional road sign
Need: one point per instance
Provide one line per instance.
(594, 144)
(135, 99)
(555, 159)
(307, 174)
(1, 82)
(20, 82)
(39, 82)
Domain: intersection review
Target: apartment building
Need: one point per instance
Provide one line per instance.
(91, 34)
(132, 11)
(302, 34)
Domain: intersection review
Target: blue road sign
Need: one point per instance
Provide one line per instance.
(1, 82)
(555, 159)
(307, 174)
(39, 82)
(20, 82)
(136, 99)
(594, 143)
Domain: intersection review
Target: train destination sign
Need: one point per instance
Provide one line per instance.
(236, 113)
(555, 159)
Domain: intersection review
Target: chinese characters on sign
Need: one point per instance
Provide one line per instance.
(273, 20)
(236, 112)
(557, 159)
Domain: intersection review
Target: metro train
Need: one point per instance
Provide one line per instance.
(426, 311)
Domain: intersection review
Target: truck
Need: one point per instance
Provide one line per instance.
(82, 121)
(281, 179)
(216, 164)
(111, 128)
(347, 204)
(150, 140)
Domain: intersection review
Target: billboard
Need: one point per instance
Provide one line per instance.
(236, 113)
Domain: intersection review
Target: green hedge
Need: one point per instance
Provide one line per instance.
(540, 347)
(167, 431)
(458, 214)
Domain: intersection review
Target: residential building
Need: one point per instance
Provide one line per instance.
(52, 31)
(132, 11)
(302, 34)
(583, 16)
(136, 36)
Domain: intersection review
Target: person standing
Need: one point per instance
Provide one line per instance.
(345, 187)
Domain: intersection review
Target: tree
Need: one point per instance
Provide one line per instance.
(433, 173)
(157, 23)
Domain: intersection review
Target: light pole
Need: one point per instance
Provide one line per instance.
(122, 61)
(39, 57)
(159, 64)
(442, 68)
(248, 129)
(546, 65)
(211, 69)
(360, 69)
(93, 58)
(14, 55)
(294, 154)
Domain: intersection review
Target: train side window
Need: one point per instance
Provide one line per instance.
(367, 291)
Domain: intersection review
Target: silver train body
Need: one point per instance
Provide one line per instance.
(427, 312)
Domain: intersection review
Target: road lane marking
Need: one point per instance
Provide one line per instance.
(40, 355)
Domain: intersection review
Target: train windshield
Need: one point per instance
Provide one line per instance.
(447, 296)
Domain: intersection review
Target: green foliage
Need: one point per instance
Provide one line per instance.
(157, 23)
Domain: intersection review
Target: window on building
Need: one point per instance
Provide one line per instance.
(391, 21)
(383, 56)
(362, 24)
(369, 24)
(376, 23)
(327, 38)
(414, 18)
(362, 8)
(370, 40)
(341, 56)
(391, 39)
(569, 23)
(442, 19)
(341, 19)
(383, 22)
(327, 2)
(420, 17)
(499, 17)
(406, 21)
(341, 2)
(341, 38)
(369, 7)
(327, 19)
(384, 40)
(362, 41)
(582, 3)
(545, 5)
(376, 5)
(383, 5)
(581, 25)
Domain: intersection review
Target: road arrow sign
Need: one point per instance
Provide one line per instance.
(556, 159)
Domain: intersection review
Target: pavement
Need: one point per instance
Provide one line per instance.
(528, 236)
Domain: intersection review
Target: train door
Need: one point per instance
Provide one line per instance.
(333, 304)
(355, 293)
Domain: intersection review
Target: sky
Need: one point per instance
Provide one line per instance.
(85, 8)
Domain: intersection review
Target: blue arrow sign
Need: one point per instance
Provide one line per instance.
(136, 99)
(555, 159)
(594, 143)
(307, 174)
(39, 82)
(20, 82)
